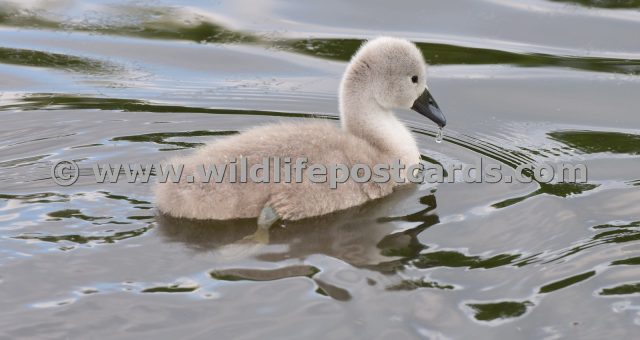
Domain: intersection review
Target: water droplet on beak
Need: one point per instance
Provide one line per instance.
(439, 136)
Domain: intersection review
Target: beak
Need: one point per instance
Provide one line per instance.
(427, 106)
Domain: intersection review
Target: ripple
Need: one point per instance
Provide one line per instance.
(20, 162)
(161, 138)
(424, 258)
(499, 310)
(557, 189)
(36, 198)
(129, 20)
(50, 304)
(241, 274)
(599, 141)
(626, 289)
(64, 62)
(455, 259)
(566, 282)
(629, 261)
(613, 233)
(73, 213)
(604, 3)
(418, 283)
(83, 239)
(77, 102)
(445, 54)
(169, 23)
(332, 291)
(182, 286)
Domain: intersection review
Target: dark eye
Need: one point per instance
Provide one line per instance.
(414, 79)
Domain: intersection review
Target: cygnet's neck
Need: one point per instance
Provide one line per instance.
(362, 116)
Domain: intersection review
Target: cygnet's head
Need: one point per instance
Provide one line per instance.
(390, 72)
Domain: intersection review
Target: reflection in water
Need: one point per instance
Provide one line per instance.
(264, 274)
(169, 23)
(566, 282)
(499, 310)
(161, 138)
(67, 236)
(514, 158)
(96, 77)
(185, 286)
(83, 239)
(73, 213)
(501, 153)
(587, 142)
(41, 197)
(444, 54)
(632, 288)
(456, 259)
(605, 3)
(613, 233)
(419, 283)
(246, 274)
(133, 201)
(165, 23)
(630, 261)
(362, 236)
(75, 102)
(556, 189)
(65, 62)
(599, 141)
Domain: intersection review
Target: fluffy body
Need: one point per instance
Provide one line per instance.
(377, 79)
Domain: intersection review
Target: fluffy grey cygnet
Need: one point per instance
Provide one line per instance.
(385, 73)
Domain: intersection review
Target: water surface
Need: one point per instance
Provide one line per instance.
(140, 81)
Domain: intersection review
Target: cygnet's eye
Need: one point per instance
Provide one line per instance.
(414, 79)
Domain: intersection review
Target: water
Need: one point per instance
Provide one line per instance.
(439, 136)
(120, 81)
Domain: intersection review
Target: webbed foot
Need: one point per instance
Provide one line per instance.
(250, 245)
(267, 218)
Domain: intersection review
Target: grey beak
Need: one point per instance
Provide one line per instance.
(427, 106)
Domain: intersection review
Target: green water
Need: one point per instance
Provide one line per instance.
(521, 82)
